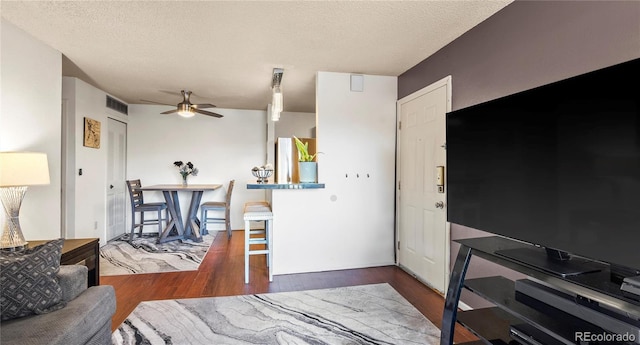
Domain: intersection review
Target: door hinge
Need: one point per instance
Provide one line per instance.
(398, 185)
(398, 245)
(399, 125)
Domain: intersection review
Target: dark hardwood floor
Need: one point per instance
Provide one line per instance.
(221, 273)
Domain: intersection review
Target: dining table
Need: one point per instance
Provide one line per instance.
(175, 228)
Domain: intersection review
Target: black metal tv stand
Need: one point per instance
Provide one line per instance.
(493, 325)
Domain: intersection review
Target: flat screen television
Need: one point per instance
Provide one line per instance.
(557, 166)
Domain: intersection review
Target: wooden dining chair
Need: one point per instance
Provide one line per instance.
(139, 206)
(217, 206)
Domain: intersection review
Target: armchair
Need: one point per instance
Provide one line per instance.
(86, 318)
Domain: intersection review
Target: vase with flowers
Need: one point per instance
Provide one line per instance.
(186, 170)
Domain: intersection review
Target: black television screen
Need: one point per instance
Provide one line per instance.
(556, 166)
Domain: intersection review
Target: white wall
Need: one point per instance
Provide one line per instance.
(350, 223)
(299, 124)
(302, 125)
(222, 149)
(87, 193)
(30, 120)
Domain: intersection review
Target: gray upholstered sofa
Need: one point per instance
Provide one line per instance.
(86, 319)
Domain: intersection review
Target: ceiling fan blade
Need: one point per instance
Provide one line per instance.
(154, 102)
(171, 92)
(204, 112)
(170, 111)
(204, 105)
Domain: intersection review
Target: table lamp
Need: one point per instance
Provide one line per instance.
(17, 171)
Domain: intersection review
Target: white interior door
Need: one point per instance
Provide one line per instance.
(116, 187)
(423, 232)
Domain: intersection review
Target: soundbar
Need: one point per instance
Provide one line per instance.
(581, 308)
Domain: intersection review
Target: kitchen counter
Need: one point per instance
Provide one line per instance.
(270, 185)
(290, 237)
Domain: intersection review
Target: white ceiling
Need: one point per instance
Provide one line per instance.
(225, 51)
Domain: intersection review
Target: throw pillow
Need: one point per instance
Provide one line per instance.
(28, 281)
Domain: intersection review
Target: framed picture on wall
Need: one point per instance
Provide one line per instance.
(91, 133)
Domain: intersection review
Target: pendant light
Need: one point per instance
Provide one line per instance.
(276, 98)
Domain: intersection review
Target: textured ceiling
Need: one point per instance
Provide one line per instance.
(225, 51)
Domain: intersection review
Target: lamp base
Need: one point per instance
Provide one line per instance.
(16, 248)
(12, 238)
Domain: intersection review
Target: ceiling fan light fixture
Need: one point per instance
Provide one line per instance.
(186, 113)
(184, 110)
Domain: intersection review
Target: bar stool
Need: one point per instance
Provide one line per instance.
(257, 211)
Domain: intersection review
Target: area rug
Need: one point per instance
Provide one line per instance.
(144, 255)
(365, 314)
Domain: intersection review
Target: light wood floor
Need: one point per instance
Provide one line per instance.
(221, 273)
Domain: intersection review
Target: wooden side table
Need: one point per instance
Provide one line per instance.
(80, 251)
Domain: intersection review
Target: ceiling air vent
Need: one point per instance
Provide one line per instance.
(116, 105)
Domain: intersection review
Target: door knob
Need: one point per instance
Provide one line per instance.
(440, 204)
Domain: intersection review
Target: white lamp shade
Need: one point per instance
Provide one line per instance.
(23, 169)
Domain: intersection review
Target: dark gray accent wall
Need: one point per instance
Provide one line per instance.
(528, 44)
(525, 45)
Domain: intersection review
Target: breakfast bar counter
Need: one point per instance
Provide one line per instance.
(290, 235)
(285, 185)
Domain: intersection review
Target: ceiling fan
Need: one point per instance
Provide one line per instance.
(186, 108)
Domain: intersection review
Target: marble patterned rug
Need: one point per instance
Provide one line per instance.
(365, 314)
(144, 255)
